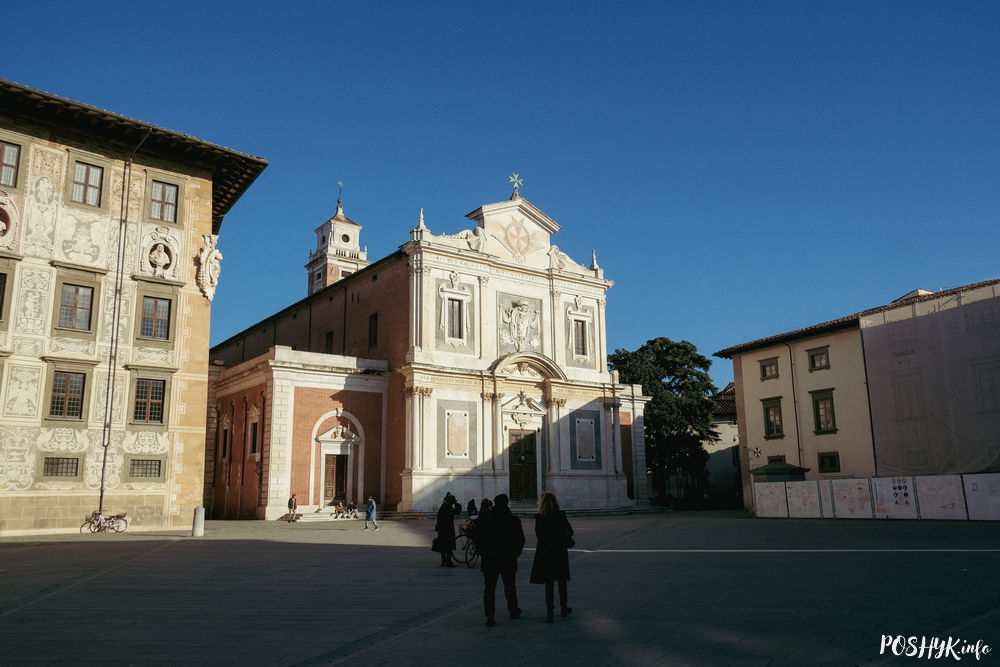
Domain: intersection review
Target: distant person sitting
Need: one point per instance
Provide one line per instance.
(338, 511)
(352, 510)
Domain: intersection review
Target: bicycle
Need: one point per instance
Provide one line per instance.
(465, 547)
(98, 523)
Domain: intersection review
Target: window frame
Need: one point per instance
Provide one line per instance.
(127, 469)
(75, 308)
(454, 320)
(147, 373)
(79, 277)
(580, 348)
(372, 330)
(769, 363)
(8, 266)
(17, 162)
(163, 202)
(816, 352)
(155, 289)
(93, 160)
(166, 178)
(147, 400)
(827, 469)
(767, 404)
(87, 183)
(84, 368)
(23, 142)
(818, 396)
(78, 477)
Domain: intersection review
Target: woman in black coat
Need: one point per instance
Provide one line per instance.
(551, 562)
(445, 528)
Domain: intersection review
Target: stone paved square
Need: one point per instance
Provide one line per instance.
(708, 588)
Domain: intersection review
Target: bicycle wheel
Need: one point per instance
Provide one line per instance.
(459, 553)
(121, 525)
(86, 527)
(96, 527)
(471, 554)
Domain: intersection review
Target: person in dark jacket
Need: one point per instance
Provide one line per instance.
(471, 507)
(500, 542)
(293, 506)
(551, 562)
(445, 528)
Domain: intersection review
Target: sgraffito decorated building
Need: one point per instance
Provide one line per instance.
(108, 266)
(472, 362)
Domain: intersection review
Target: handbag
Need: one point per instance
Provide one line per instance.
(436, 545)
(568, 533)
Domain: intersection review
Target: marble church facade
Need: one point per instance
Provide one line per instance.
(472, 362)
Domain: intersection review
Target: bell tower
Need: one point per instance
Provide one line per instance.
(338, 251)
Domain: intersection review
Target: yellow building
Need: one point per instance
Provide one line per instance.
(108, 266)
(911, 388)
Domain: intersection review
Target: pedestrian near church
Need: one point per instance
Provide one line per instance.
(370, 513)
(551, 563)
(500, 542)
(293, 505)
(445, 528)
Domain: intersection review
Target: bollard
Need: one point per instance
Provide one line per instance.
(198, 529)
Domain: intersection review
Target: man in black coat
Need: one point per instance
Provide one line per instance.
(445, 528)
(500, 540)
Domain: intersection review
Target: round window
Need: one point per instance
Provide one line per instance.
(345, 238)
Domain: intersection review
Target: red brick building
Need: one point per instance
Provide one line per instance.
(473, 362)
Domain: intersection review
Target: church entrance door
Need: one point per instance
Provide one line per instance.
(523, 472)
(335, 480)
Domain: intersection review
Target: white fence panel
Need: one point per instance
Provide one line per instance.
(852, 499)
(941, 497)
(894, 498)
(982, 493)
(826, 496)
(770, 498)
(803, 500)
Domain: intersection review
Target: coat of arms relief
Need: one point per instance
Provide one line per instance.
(520, 326)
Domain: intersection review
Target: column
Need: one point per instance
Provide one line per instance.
(350, 469)
(412, 412)
(616, 434)
(497, 432)
(487, 448)
(558, 464)
(361, 474)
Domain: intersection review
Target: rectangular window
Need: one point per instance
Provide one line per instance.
(772, 418)
(455, 319)
(67, 395)
(776, 459)
(149, 401)
(163, 202)
(155, 318)
(819, 358)
(144, 467)
(373, 330)
(769, 369)
(75, 306)
(253, 438)
(10, 158)
(328, 342)
(3, 293)
(828, 461)
(823, 411)
(580, 338)
(225, 443)
(87, 183)
(57, 466)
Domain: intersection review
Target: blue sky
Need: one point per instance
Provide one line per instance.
(742, 168)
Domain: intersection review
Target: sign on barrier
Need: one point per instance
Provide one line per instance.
(803, 500)
(982, 493)
(895, 498)
(941, 497)
(852, 499)
(770, 499)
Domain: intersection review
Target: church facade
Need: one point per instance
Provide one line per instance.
(473, 363)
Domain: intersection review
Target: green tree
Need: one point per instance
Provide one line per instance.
(679, 416)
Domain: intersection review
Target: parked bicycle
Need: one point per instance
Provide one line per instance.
(98, 523)
(465, 546)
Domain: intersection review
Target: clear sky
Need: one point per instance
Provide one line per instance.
(741, 168)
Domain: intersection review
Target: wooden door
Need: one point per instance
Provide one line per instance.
(523, 472)
(330, 479)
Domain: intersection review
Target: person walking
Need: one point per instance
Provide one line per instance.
(370, 513)
(445, 528)
(501, 540)
(293, 505)
(551, 563)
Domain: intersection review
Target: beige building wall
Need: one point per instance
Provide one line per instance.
(54, 460)
(796, 389)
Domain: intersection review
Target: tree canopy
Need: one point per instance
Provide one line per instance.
(679, 416)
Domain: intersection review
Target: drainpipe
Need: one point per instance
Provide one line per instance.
(795, 404)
